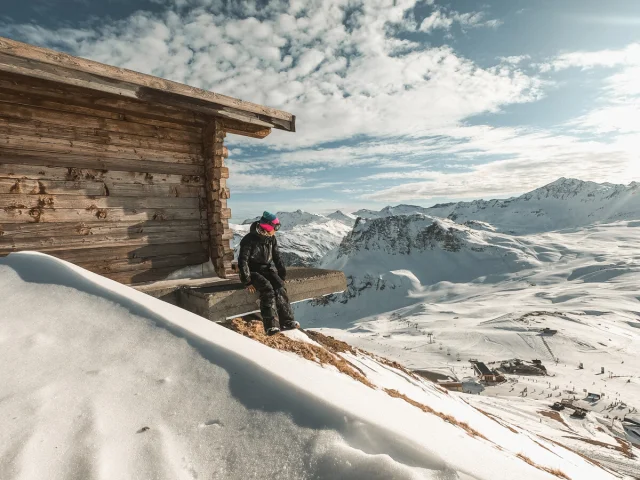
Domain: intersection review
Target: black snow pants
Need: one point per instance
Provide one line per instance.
(274, 301)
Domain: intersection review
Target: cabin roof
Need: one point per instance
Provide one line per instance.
(42, 63)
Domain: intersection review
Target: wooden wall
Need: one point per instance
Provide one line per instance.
(114, 185)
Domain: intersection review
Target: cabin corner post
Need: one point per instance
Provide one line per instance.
(217, 193)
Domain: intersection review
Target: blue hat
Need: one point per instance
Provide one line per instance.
(267, 217)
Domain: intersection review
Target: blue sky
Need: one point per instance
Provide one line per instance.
(397, 101)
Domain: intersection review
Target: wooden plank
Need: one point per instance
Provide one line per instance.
(42, 244)
(70, 106)
(32, 87)
(43, 214)
(42, 172)
(82, 201)
(70, 68)
(120, 251)
(239, 128)
(219, 173)
(179, 261)
(74, 119)
(30, 230)
(96, 188)
(38, 187)
(24, 157)
(142, 276)
(94, 135)
(77, 147)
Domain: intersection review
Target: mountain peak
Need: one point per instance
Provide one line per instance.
(344, 218)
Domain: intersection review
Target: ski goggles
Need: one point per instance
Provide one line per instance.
(271, 226)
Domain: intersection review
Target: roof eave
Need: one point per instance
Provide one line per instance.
(24, 59)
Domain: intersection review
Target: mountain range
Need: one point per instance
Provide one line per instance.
(564, 204)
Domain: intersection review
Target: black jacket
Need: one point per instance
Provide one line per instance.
(258, 252)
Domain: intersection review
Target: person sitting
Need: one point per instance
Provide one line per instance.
(262, 270)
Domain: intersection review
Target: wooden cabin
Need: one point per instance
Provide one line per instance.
(116, 171)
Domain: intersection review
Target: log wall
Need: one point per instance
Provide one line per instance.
(115, 185)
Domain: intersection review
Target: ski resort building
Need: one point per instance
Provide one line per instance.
(124, 174)
(485, 374)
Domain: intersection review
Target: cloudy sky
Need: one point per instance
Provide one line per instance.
(397, 101)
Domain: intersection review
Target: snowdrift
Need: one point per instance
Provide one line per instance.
(101, 381)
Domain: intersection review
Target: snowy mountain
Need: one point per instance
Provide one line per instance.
(386, 258)
(390, 211)
(346, 218)
(563, 204)
(291, 220)
(304, 238)
(172, 395)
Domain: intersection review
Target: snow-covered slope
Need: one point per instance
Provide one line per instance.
(340, 216)
(100, 381)
(582, 283)
(291, 220)
(304, 238)
(387, 259)
(563, 204)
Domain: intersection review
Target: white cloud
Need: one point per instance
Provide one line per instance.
(514, 59)
(629, 55)
(408, 100)
(436, 20)
(442, 19)
(339, 80)
(508, 177)
(618, 108)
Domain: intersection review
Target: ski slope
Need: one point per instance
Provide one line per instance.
(100, 381)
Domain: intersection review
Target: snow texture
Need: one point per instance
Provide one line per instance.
(100, 381)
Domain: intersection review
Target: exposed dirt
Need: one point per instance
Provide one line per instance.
(554, 416)
(626, 448)
(447, 418)
(255, 330)
(566, 447)
(331, 343)
(623, 446)
(552, 471)
(329, 354)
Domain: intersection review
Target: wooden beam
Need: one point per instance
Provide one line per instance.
(70, 174)
(216, 198)
(18, 186)
(35, 90)
(24, 59)
(70, 116)
(45, 214)
(122, 251)
(239, 128)
(49, 159)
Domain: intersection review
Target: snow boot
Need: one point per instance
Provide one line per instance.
(273, 331)
(290, 325)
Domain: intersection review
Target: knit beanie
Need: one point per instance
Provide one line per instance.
(267, 217)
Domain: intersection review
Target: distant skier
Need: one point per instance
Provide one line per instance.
(262, 270)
